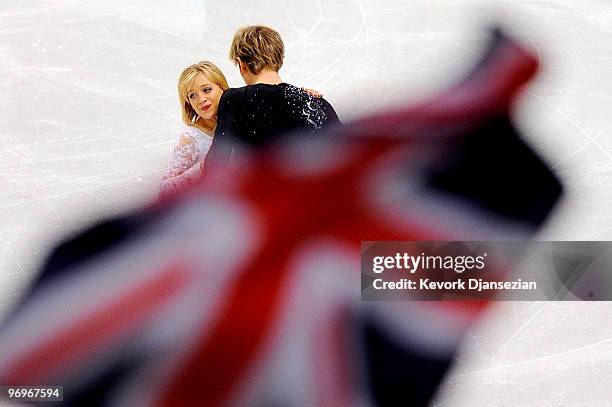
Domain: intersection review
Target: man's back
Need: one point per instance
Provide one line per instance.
(254, 115)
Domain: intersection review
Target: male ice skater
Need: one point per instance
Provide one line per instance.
(266, 108)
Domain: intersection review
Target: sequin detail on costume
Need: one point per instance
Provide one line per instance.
(306, 107)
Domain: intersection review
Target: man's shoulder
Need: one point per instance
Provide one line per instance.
(232, 93)
(315, 112)
(250, 93)
(256, 88)
(294, 94)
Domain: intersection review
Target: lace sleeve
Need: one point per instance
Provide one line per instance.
(183, 168)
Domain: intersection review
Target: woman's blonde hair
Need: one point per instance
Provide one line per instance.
(208, 69)
(259, 47)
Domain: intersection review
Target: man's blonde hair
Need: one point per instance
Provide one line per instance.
(208, 69)
(259, 47)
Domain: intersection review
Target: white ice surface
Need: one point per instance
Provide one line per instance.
(89, 114)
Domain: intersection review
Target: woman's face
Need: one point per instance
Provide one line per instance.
(203, 96)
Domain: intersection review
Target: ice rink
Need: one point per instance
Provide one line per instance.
(89, 114)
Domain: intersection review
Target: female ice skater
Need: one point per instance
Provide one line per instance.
(200, 87)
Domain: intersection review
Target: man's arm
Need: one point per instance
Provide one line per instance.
(330, 113)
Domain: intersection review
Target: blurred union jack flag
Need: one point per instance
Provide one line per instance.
(245, 290)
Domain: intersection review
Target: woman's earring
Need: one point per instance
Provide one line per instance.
(194, 118)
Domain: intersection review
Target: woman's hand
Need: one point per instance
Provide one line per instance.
(312, 92)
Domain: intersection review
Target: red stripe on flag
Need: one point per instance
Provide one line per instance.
(78, 340)
(211, 374)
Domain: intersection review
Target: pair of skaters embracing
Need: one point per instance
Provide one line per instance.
(239, 118)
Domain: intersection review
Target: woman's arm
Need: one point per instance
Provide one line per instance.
(182, 169)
